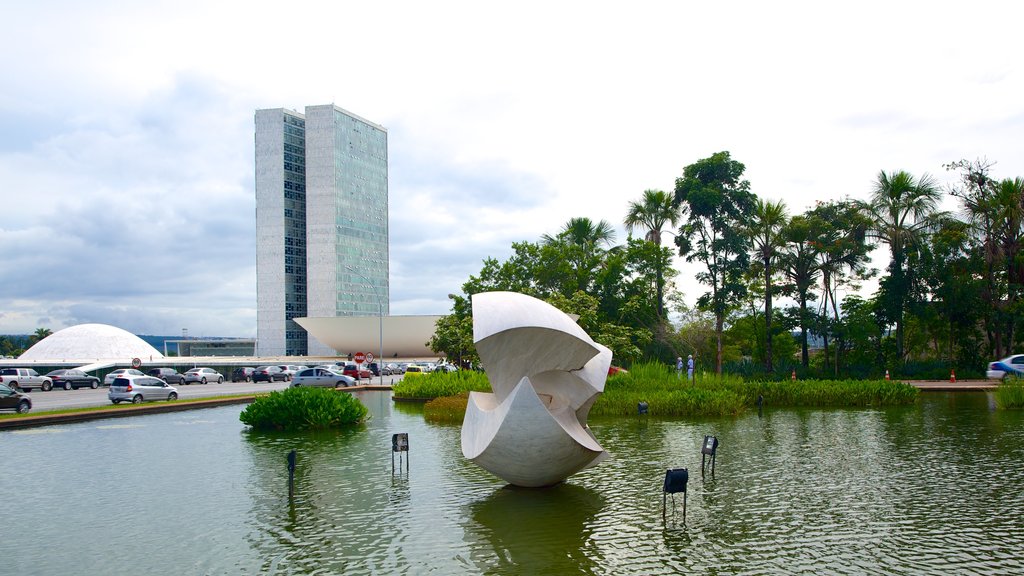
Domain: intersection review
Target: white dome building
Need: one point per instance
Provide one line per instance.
(91, 342)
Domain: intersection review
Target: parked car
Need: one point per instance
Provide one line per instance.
(136, 389)
(414, 370)
(11, 399)
(1009, 366)
(269, 374)
(70, 378)
(391, 369)
(242, 374)
(169, 375)
(291, 369)
(321, 377)
(203, 375)
(353, 370)
(374, 368)
(25, 379)
(109, 378)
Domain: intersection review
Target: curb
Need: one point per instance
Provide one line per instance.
(50, 419)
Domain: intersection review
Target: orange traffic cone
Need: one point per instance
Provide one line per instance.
(886, 374)
(793, 375)
(952, 375)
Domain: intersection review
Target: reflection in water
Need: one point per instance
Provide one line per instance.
(535, 531)
(927, 489)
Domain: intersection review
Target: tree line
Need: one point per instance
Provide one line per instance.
(950, 294)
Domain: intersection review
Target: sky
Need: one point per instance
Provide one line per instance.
(126, 128)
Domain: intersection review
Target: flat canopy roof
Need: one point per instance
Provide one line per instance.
(403, 336)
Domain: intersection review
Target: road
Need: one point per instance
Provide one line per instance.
(84, 397)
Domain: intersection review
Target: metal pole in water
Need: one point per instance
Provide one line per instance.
(291, 473)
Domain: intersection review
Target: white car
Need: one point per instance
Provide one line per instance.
(203, 375)
(136, 389)
(1009, 366)
(120, 372)
(322, 378)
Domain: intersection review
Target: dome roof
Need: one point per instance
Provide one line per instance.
(91, 342)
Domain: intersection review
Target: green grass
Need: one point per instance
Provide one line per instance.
(667, 394)
(303, 409)
(1010, 394)
(446, 409)
(437, 384)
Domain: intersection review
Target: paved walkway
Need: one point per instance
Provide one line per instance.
(959, 386)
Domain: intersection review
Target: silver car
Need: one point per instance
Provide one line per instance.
(203, 375)
(321, 377)
(136, 389)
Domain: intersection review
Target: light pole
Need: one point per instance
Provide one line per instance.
(380, 308)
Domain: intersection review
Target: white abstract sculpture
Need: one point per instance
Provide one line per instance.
(546, 373)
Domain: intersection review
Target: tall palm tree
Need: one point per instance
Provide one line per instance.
(653, 212)
(800, 264)
(901, 211)
(1007, 209)
(766, 233)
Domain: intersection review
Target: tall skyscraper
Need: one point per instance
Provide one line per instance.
(321, 223)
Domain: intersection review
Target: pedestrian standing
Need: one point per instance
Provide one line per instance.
(689, 368)
(679, 367)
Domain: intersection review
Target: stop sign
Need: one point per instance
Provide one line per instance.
(359, 357)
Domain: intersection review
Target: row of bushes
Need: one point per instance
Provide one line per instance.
(668, 394)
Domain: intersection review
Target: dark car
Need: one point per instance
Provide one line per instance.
(14, 400)
(169, 375)
(269, 374)
(242, 374)
(71, 378)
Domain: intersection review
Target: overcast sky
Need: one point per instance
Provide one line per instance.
(126, 128)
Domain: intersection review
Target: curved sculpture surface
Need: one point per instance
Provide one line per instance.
(545, 373)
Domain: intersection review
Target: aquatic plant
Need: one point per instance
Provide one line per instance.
(303, 409)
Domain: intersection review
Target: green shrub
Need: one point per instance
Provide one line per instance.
(438, 384)
(446, 409)
(303, 409)
(1010, 394)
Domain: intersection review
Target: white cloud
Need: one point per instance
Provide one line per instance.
(126, 128)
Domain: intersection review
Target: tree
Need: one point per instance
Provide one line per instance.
(767, 224)
(901, 211)
(653, 212)
(39, 334)
(799, 261)
(581, 245)
(718, 202)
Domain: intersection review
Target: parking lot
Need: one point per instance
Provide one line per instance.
(85, 397)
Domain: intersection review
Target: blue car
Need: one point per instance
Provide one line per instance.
(1009, 366)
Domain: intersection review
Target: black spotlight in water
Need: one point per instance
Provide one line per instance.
(708, 448)
(400, 444)
(641, 408)
(675, 482)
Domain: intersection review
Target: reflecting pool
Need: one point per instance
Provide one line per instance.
(936, 488)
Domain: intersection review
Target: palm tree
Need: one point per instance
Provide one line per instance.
(800, 264)
(1007, 209)
(766, 233)
(653, 212)
(39, 334)
(901, 211)
(586, 240)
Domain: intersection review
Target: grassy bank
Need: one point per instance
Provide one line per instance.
(1010, 394)
(120, 407)
(668, 395)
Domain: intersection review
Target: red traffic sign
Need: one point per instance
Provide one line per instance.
(136, 362)
(369, 357)
(360, 357)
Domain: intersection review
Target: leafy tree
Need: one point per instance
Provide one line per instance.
(718, 203)
(901, 210)
(653, 212)
(581, 245)
(766, 230)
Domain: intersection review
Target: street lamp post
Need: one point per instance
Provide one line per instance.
(380, 309)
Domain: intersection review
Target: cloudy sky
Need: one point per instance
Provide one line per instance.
(126, 128)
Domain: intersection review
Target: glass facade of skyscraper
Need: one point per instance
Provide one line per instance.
(322, 223)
